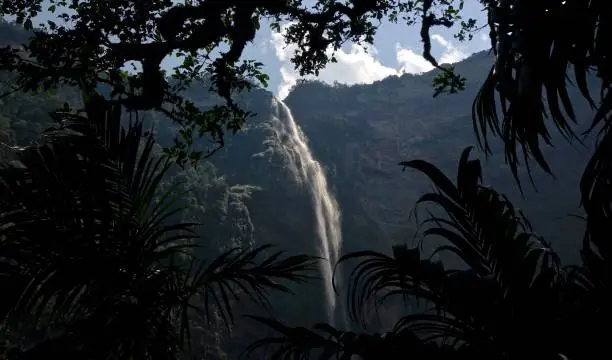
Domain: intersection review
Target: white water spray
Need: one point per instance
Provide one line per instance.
(293, 145)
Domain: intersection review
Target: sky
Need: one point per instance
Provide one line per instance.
(396, 50)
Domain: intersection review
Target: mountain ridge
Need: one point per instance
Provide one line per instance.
(243, 195)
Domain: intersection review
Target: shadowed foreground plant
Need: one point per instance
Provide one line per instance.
(92, 267)
(325, 342)
(502, 301)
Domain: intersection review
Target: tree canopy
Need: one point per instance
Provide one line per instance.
(528, 305)
(524, 96)
(92, 41)
(93, 262)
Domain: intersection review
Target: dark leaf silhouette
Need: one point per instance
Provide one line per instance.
(509, 279)
(92, 258)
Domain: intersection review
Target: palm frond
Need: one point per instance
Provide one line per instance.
(483, 228)
(237, 273)
(88, 244)
(298, 342)
(81, 236)
(512, 272)
(596, 179)
(378, 277)
(593, 277)
(586, 292)
(325, 342)
(537, 43)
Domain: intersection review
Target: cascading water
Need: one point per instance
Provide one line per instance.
(306, 170)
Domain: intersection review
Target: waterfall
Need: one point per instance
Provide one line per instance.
(307, 171)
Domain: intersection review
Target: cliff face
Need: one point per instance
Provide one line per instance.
(362, 132)
(359, 133)
(243, 195)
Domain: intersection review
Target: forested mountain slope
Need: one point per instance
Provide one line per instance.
(243, 195)
(361, 133)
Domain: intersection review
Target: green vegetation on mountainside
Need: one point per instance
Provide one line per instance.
(359, 133)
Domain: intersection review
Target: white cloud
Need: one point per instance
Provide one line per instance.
(410, 62)
(452, 54)
(359, 64)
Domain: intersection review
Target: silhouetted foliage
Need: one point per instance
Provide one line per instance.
(538, 44)
(91, 41)
(513, 300)
(91, 266)
(530, 62)
(510, 297)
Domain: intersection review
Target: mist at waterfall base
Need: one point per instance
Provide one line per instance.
(289, 140)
